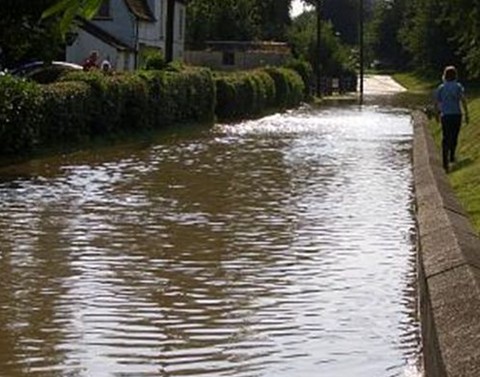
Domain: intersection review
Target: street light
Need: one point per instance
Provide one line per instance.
(319, 34)
(362, 68)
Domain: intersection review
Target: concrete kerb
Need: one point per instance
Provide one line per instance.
(448, 265)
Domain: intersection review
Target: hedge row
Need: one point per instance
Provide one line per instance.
(244, 94)
(85, 105)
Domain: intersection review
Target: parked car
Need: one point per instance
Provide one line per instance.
(44, 72)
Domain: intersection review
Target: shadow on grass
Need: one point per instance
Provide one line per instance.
(462, 163)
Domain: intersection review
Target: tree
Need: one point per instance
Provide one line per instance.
(69, 9)
(382, 36)
(24, 35)
(239, 20)
(221, 20)
(428, 37)
(274, 19)
(462, 18)
(344, 16)
(335, 57)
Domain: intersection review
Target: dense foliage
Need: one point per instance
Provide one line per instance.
(250, 93)
(86, 105)
(427, 34)
(236, 20)
(335, 58)
(20, 114)
(24, 36)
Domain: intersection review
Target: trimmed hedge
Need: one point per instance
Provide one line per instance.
(289, 86)
(245, 94)
(85, 105)
(305, 70)
(20, 114)
(180, 97)
(64, 109)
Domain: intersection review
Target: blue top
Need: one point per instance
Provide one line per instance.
(449, 95)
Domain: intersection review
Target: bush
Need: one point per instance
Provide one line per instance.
(305, 70)
(155, 61)
(289, 86)
(187, 96)
(20, 115)
(250, 93)
(66, 106)
(85, 105)
(104, 114)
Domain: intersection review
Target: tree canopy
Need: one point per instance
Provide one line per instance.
(24, 35)
(237, 20)
(433, 33)
(422, 34)
(335, 57)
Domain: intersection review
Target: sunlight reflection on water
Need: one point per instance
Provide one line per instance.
(273, 247)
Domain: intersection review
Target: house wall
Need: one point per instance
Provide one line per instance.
(85, 43)
(121, 24)
(242, 60)
(152, 34)
(179, 32)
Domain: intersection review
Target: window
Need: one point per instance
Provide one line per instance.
(104, 10)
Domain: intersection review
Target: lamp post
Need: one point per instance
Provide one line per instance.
(362, 68)
(170, 31)
(319, 48)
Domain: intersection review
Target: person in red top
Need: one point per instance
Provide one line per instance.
(91, 62)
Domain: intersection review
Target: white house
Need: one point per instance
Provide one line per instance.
(124, 30)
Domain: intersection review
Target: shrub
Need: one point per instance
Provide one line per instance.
(20, 115)
(66, 107)
(104, 110)
(88, 104)
(185, 96)
(250, 93)
(118, 102)
(305, 70)
(289, 86)
(155, 61)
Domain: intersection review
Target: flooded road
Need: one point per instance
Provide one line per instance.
(283, 246)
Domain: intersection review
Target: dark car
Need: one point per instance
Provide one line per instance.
(44, 72)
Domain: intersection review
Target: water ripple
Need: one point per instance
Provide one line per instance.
(273, 247)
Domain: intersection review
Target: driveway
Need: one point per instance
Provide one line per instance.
(381, 85)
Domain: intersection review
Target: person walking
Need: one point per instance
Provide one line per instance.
(450, 98)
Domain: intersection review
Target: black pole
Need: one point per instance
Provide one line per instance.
(362, 47)
(169, 31)
(319, 47)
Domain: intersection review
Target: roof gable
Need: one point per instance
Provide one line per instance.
(103, 35)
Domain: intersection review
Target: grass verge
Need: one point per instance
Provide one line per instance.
(465, 174)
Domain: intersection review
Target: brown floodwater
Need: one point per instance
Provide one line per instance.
(283, 246)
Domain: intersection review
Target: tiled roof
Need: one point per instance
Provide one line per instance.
(140, 9)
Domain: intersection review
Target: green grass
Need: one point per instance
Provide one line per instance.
(414, 82)
(465, 174)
